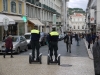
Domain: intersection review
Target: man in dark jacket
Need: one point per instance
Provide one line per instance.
(35, 36)
(77, 38)
(68, 41)
(8, 45)
(93, 37)
(89, 40)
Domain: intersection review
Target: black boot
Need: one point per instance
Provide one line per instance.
(55, 59)
(37, 59)
(51, 59)
(4, 55)
(12, 57)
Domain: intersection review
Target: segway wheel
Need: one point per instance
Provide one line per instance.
(40, 58)
(30, 59)
(48, 60)
(59, 60)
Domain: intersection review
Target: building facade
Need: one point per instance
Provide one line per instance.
(93, 15)
(49, 8)
(13, 9)
(43, 11)
(37, 12)
(77, 23)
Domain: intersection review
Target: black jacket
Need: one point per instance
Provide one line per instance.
(35, 36)
(67, 37)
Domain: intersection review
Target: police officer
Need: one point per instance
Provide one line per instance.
(53, 41)
(35, 36)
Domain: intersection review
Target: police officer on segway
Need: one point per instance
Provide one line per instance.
(35, 36)
(53, 43)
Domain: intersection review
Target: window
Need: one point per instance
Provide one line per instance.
(78, 27)
(82, 27)
(13, 6)
(20, 8)
(27, 10)
(74, 27)
(5, 4)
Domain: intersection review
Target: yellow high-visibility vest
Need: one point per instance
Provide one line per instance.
(35, 31)
(54, 33)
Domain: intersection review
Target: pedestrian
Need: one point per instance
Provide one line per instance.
(53, 43)
(35, 36)
(89, 40)
(68, 41)
(9, 46)
(93, 37)
(77, 38)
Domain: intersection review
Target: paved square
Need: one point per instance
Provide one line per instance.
(19, 65)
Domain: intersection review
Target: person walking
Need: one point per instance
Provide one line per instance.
(89, 40)
(68, 41)
(93, 37)
(9, 46)
(35, 36)
(77, 38)
(53, 43)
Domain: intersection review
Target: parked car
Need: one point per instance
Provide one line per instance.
(19, 44)
(28, 38)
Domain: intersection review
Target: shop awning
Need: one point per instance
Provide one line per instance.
(2, 17)
(36, 22)
(16, 18)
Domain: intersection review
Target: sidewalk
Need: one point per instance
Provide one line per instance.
(19, 65)
(89, 50)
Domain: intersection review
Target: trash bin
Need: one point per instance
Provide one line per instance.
(96, 56)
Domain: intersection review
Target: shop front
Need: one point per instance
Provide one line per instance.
(35, 22)
(19, 27)
(5, 21)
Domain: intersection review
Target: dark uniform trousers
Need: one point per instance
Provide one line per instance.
(35, 45)
(53, 47)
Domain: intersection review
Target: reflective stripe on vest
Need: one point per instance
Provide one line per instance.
(54, 33)
(35, 31)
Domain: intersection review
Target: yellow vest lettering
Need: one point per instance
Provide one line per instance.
(35, 31)
(54, 33)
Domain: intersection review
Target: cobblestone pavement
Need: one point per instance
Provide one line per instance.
(69, 66)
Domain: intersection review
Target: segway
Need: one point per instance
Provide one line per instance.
(31, 60)
(49, 61)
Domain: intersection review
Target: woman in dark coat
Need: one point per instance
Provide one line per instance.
(8, 45)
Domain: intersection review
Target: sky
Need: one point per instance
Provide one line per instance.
(78, 4)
